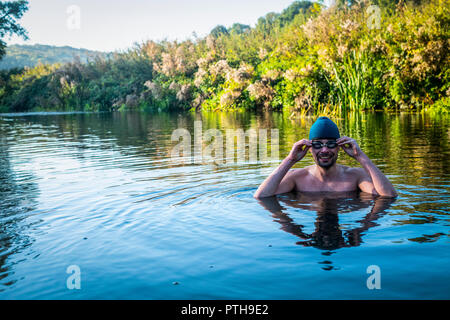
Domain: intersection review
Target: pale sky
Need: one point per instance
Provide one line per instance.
(116, 24)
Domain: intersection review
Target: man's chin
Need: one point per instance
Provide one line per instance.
(326, 165)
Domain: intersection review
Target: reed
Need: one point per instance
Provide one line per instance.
(351, 88)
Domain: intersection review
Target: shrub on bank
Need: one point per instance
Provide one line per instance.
(347, 57)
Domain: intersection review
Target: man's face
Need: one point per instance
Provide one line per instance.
(325, 152)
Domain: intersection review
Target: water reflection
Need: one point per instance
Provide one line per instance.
(109, 176)
(14, 211)
(329, 234)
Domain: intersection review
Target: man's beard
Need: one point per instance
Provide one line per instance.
(326, 164)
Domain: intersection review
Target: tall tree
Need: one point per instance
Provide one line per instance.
(10, 13)
(239, 28)
(218, 31)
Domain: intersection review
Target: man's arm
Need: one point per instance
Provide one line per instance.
(280, 180)
(372, 178)
(382, 185)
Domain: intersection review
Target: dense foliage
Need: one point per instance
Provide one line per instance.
(10, 13)
(351, 56)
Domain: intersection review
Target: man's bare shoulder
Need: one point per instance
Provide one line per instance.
(353, 171)
(348, 169)
(300, 172)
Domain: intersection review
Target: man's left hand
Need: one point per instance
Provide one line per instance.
(350, 146)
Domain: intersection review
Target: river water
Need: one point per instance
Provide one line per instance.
(137, 206)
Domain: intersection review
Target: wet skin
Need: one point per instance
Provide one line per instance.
(337, 178)
(326, 175)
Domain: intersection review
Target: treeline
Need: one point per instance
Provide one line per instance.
(19, 56)
(356, 55)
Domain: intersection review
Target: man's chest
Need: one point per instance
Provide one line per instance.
(315, 185)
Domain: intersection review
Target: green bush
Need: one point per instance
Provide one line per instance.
(308, 58)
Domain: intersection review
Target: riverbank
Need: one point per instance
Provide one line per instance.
(306, 59)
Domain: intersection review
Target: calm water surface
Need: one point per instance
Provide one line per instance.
(101, 191)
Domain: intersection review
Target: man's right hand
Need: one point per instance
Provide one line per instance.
(299, 150)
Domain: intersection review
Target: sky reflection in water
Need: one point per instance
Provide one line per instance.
(100, 191)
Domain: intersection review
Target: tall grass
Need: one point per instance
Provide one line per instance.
(349, 79)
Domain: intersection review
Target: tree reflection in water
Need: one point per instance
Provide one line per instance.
(329, 234)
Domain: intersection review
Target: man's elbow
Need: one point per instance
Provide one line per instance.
(389, 194)
(259, 195)
(393, 195)
(383, 193)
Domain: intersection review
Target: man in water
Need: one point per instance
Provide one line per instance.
(325, 176)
